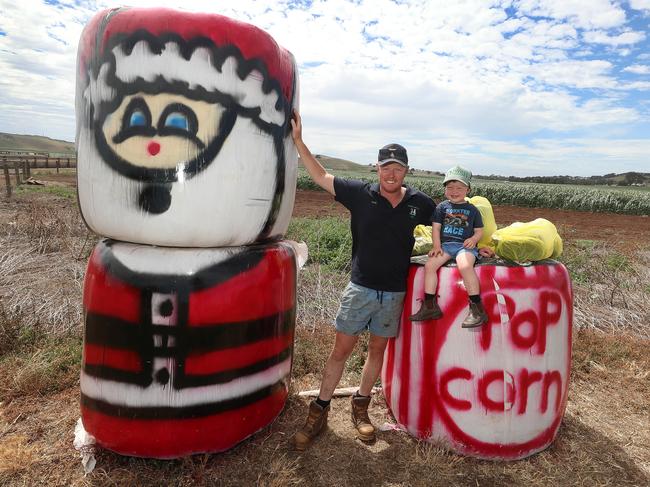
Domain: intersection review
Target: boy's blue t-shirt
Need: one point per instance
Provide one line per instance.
(458, 220)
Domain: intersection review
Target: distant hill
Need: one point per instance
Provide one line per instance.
(34, 143)
(611, 179)
(339, 164)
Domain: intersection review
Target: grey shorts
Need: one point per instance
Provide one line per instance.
(367, 309)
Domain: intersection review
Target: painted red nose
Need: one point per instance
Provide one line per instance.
(153, 148)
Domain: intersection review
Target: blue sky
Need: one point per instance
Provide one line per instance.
(511, 87)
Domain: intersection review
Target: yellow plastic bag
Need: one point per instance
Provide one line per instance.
(423, 240)
(529, 241)
(489, 224)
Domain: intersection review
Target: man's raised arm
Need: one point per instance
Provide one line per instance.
(316, 171)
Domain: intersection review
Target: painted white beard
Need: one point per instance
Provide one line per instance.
(170, 261)
(226, 204)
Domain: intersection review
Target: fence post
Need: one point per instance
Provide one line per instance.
(17, 170)
(47, 162)
(26, 172)
(5, 166)
(67, 162)
(57, 165)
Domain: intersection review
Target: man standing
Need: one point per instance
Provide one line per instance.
(383, 216)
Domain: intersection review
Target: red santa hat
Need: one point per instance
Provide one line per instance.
(204, 53)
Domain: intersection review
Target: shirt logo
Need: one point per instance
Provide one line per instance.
(413, 212)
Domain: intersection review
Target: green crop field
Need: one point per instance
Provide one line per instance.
(626, 200)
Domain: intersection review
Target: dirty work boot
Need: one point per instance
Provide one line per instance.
(316, 421)
(365, 429)
(428, 311)
(476, 316)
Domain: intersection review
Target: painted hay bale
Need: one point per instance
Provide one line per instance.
(499, 391)
(185, 350)
(183, 129)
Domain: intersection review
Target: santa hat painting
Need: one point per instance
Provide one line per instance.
(184, 133)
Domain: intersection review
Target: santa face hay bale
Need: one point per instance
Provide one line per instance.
(183, 132)
(498, 391)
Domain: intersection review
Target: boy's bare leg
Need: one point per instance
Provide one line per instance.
(431, 272)
(465, 262)
(343, 346)
(374, 361)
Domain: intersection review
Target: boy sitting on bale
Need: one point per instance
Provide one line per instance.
(457, 229)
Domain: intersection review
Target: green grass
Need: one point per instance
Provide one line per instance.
(71, 171)
(329, 240)
(40, 362)
(63, 191)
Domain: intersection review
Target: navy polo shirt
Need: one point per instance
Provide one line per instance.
(382, 236)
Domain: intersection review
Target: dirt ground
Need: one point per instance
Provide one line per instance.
(624, 231)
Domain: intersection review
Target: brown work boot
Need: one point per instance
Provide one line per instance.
(427, 312)
(476, 316)
(365, 429)
(316, 421)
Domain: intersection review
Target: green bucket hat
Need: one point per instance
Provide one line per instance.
(458, 173)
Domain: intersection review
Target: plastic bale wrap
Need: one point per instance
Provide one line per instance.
(423, 240)
(187, 164)
(489, 223)
(499, 391)
(529, 241)
(185, 350)
(183, 129)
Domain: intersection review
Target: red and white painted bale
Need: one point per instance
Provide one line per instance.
(185, 350)
(496, 392)
(183, 129)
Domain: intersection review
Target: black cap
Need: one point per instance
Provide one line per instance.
(393, 153)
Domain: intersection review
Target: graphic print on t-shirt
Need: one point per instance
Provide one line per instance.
(455, 223)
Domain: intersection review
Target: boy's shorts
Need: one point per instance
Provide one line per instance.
(363, 308)
(455, 248)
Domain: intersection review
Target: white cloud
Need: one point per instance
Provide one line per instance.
(585, 15)
(637, 69)
(640, 4)
(626, 38)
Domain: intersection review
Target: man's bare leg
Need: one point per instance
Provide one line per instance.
(343, 346)
(374, 361)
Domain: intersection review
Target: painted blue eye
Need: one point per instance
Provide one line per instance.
(177, 120)
(138, 119)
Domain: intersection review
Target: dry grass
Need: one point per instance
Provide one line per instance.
(604, 439)
(611, 290)
(44, 248)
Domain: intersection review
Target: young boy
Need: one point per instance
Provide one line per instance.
(457, 229)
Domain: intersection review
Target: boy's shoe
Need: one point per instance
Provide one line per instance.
(316, 421)
(476, 317)
(427, 313)
(365, 429)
